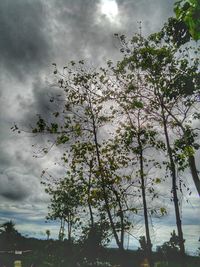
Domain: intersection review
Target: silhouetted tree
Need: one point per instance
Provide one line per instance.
(48, 233)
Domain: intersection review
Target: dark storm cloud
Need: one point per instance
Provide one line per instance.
(20, 185)
(45, 99)
(15, 194)
(19, 174)
(23, 45)
(13, 185)
(44, 95)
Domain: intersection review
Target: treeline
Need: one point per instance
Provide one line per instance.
(49, 252)
(127, 133)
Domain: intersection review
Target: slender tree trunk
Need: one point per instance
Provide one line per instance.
(175, 196)
(191, 159)
(91, 214)
(121, 215)
(61, 231)
(119, 244)
(194, 172)
(103, 183)
(149, 245)
(88, 200)
(69, 228)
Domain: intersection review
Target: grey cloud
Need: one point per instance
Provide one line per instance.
(34, 33)
(80, 30)
(78, 34)
(4, 159)
(23, 45)
(41, 102)
(13, 185)
(43, 95)
(17, 185)
(14, 194)
(19, 173)
(152, 14)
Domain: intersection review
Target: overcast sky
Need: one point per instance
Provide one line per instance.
(33, 35)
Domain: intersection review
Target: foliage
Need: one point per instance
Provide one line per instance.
(170, 249)
(168, 79)
(65, 200)
(187, 11)
(95, 236)
(143, 243)
(8, 228)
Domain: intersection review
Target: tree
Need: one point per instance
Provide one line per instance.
(94, 238)
(137, 136)
(8, 228)
(165, 80)
(182, 102)
(78, 128)
(9, 235)
(48, 233)
(65, 200)
(170, 249)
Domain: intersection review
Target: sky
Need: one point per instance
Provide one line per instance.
(33, 35)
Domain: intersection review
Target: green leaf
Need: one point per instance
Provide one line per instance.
(134, 210)
(163, 211)
(157, 180)
(34, 130)
(62, 139)
(188, 11)
(137, 104)
(56, 114)
(54, 128)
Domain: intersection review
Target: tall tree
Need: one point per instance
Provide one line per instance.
(165, 78)
(137, 136)
(79, 128)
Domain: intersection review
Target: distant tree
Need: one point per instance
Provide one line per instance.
(143, 244)
(170, 249)
(65, 200)
(94, 238)
(48, 233)
(9, 235)
(8, 228)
